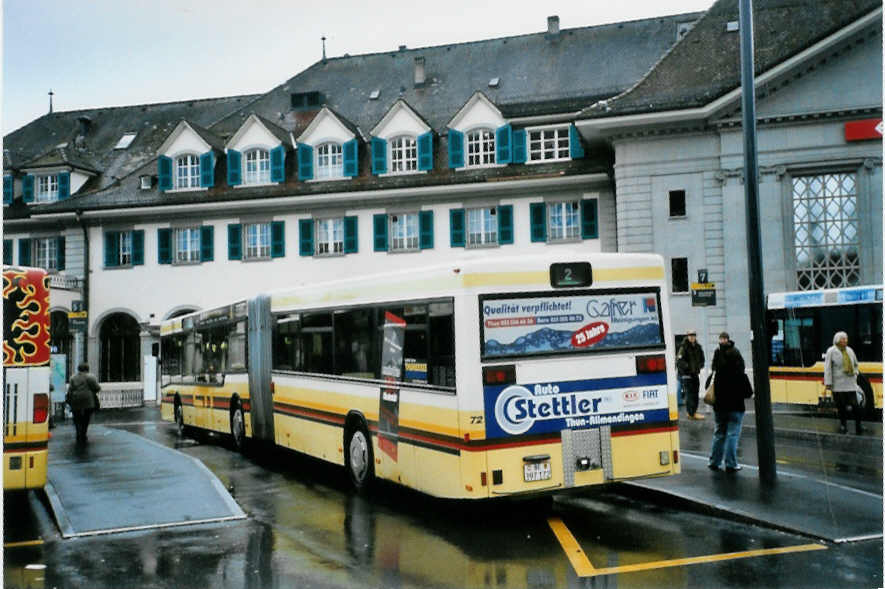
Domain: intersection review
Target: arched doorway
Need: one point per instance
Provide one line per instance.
(60, 337)
(120, 351)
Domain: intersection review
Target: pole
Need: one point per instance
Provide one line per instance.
(764, 423)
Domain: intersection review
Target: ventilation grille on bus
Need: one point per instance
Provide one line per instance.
(592, 445)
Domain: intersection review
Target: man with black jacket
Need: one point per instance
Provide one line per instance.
(689, 362)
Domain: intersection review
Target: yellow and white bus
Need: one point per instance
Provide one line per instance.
(479, 378)
(26, 354)
(801, 326)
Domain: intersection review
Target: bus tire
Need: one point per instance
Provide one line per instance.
(358, 457)
(238, 427)
(866, 400)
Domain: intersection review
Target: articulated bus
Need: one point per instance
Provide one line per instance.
(475, 379)
(25, 378)
(801, 326)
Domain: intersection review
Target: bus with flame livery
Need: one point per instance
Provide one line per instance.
(26, 353)
(801, 326)
(484, 377)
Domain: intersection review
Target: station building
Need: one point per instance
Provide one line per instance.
(619, 137)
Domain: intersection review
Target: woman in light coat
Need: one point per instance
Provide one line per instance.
(840, 377)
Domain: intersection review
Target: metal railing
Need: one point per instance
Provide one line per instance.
(64, 282)
(115, 399)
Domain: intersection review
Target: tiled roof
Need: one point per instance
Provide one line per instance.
(705, 64)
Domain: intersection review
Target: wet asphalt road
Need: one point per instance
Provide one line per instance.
(307, 529)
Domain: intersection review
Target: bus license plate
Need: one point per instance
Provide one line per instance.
(536, 471)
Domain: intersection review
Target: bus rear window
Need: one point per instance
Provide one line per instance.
(574, 322)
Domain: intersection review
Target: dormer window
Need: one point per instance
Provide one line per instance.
(329, 162)
(47, 188)
(257, 167)
(480, 148)
(187, 171)
(403, 155)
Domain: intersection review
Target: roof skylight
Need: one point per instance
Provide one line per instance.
(126, 140)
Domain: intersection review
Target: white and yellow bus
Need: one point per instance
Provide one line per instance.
(480, 378)
(801, 326)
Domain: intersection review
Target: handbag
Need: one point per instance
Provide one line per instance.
(710, 393)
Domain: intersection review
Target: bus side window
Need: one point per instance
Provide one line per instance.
(441, 368)
(316, 341)
(288, 353)
(236, 348)
(354, 345)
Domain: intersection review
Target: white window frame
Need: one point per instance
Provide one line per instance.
(329, 236)
(186, 244)
(329, 161)
(548, 144)
(482, 227)
(256, 166)
(405, 232)
(46, 252)
(187, 171)
(479, 148)
(47, 188)
(564, 221)
(256, 241)
(403, 155)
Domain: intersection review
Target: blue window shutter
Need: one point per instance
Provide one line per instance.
(351, 236)
(7, 252)
(538, 218)
(351, 167)
(379, 156)
(28, 189)
(505, 224)
(379, 225)
(589, 219)
(138, 247)
(111, 243)
(456, 227)
(519, 147)
(425, 151)
(164, 173)
(575, 149)
(207, 169)
(234, 241)
(164, 246)
(60, 253)
(502, 144)
(425, 224)
(456, 149)
(234, 167)
(8, 185)
(277, 239)
(305, 237)
(278, 164)
(24, 252)
(64, 185)
(305, 162)
(207, 243)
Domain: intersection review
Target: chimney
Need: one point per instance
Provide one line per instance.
(85, 122)
(419, 72)
(552, 26)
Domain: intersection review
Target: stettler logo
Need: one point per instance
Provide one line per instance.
(506, 414)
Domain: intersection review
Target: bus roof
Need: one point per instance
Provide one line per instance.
(25, 316)
(854, 295)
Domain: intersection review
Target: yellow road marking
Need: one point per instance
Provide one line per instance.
(573, 550)
(22, 544)
(584, 568)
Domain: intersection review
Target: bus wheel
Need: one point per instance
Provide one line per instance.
(179, 419)
(358, 458)
(865, 398)
(238, 427)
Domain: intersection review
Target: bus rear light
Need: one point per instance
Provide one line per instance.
(498, 375)
(675, 456)
(484, 479)
(41, 407)
(646, 364)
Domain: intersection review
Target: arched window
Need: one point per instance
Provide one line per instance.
(257, 167)
(120, 352)
(187, 171)
(403, 155)
(329, 161)
(480, 147)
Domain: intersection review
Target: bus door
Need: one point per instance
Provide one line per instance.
(259, 329)
(25, 413)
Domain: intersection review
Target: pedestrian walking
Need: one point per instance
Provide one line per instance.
(840, 377)
(82, 396)
(689, 362)
(731, 387)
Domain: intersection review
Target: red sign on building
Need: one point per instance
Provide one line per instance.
(863, 130)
